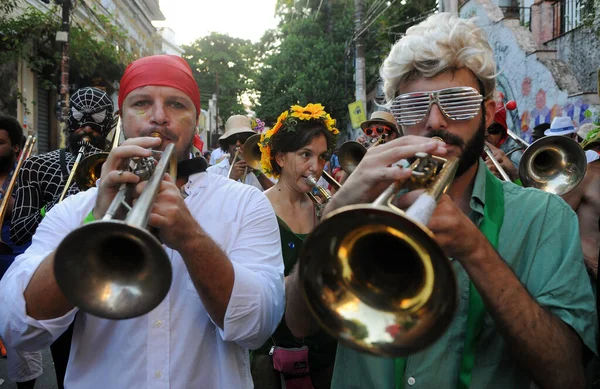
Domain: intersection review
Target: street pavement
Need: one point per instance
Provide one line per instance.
(46, 381)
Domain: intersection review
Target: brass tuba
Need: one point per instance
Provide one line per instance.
(116, 269)
(373, 275)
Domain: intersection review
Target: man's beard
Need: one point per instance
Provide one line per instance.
(470, 151)
(95, 140)
(7, 162)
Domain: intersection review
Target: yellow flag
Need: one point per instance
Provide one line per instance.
(358, 113)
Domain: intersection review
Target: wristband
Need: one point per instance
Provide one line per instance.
(89, 218)
(43, 211)
(257, 173)
(518, 182)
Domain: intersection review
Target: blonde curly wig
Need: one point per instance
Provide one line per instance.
(441, 42)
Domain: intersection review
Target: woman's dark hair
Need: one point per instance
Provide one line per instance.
(14, 129)
(290, 141)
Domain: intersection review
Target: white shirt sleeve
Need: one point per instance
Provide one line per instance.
(19, 330)
(257, 300)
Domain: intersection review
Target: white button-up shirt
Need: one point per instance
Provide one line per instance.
(222, 169)
(176, 345)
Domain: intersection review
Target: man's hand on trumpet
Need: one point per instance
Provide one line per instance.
(115, 173)
(504, 162)
(378, 169)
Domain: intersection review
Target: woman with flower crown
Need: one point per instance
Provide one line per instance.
(295, 148)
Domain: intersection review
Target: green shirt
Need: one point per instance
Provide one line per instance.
(539, 240)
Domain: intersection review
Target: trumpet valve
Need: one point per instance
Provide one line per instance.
(142, 167)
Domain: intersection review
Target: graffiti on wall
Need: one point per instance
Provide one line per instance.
(526, 80)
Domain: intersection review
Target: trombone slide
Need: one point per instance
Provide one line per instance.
(490, 155)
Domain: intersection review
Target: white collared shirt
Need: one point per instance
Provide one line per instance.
(222, 169)
(176, 345)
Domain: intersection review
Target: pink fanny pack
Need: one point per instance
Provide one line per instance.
(292, 364)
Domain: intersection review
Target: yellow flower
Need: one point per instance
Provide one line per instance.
(311, 111)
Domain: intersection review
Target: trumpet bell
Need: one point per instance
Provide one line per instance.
(123, 272)
(377, 281)
(252, 152)
(554, 164)
(89, 171)
(350, 154)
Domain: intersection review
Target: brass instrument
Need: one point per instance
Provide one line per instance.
(84, 143)
(501, 171)
(90, 168)
(312, 181)
(554, 164)
(27, 149)
(373, 275)
(351, 153)
(251, 154)
(117, 269)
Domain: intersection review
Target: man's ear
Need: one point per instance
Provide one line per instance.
(490, 111)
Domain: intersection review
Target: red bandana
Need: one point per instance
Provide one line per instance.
(160, 70)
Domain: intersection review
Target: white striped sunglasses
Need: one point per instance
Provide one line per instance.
(459, 103)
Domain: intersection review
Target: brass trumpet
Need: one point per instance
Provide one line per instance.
(117, 269)
(554, 164)
(312, 181)
(373, 275)
(27, 149)
(351, 153)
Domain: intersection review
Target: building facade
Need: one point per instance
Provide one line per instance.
(36, 109)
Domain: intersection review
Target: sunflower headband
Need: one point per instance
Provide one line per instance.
(287, 122)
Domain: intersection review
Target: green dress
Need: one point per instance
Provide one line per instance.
(321, 346)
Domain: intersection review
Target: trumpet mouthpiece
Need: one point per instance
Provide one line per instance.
(156, 135)
(311, 180)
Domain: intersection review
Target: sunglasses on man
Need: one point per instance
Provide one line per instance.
(241, 137)
(495, 129)
(459, 103)
(376, 130)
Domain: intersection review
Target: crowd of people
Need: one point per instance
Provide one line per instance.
(235, 222)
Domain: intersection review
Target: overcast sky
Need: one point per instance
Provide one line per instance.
(192, 19)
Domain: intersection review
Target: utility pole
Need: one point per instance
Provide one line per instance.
(359, 75)
(217, 106)
(63, 36)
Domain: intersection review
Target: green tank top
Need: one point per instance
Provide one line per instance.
(321, 346)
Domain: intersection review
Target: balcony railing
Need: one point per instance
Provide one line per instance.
(568, 15)
(521, 13)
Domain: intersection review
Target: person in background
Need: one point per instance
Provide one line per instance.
(295, 148)
(23, 367)
(237, 130)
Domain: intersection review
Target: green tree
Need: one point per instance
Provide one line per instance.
(232, 61)
(305, 62)
(310, 56)
(30, 37)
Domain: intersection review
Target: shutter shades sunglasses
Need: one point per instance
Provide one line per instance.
(459, 103)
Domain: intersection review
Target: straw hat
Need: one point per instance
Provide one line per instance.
(237, 124)
(381, 117)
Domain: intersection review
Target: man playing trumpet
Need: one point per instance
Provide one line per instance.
(237, 131)
(222, 240)
(526, 311)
